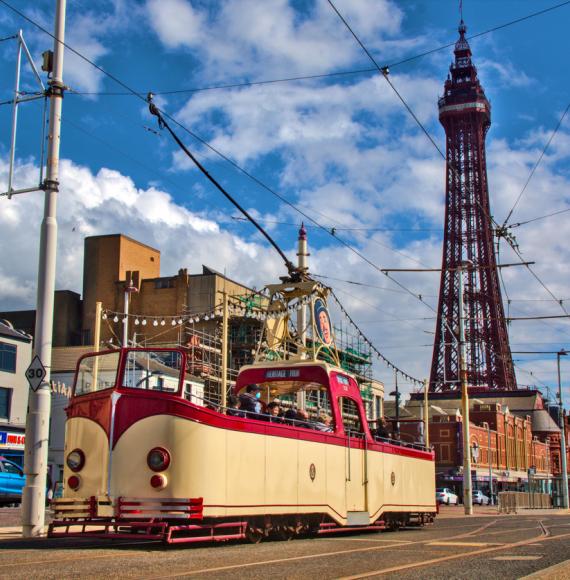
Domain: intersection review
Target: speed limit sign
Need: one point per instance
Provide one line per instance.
(35, 373)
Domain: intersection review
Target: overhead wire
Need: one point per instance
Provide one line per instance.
(535, 166)
(516, 225)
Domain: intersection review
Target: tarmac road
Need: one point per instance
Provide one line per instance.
(487, 545)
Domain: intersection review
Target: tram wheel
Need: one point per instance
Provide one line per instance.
(253, 534)
(286, 533)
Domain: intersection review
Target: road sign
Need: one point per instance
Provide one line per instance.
(35, 373)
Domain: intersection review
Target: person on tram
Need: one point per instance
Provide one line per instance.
(273, 414)
(303, 419)
(234, 407)
(324, 423)
(290, 417)
(249, 401)
(381, 430)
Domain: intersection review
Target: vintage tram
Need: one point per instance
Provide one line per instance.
(146, 457)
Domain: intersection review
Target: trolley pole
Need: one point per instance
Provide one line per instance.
(38, 418)
(562, 434)
(225, 316)
(467, 492)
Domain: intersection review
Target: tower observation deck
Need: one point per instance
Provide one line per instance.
(465, 114)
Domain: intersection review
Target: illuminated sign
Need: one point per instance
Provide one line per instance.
(283, 374)
(12, 440)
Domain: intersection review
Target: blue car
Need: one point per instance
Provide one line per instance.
(12, 481)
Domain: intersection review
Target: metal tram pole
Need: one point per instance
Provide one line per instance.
(225, 316)
(563, 435)
(467, 491)
(490, 460)
(38, 418)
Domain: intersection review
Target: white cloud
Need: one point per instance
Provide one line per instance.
(176, 22)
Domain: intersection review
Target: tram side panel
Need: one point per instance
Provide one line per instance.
(400, 484)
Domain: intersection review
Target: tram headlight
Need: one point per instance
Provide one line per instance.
(158, 459)
(76, 460)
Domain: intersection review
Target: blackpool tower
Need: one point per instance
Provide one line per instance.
(465, 114)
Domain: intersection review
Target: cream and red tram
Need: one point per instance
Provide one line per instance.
(145, 456)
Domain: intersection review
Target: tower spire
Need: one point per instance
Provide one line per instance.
(465, 114)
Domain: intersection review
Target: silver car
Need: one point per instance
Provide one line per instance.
(480, 498)
(446, 496)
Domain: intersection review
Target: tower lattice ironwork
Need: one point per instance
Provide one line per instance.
(465, 114)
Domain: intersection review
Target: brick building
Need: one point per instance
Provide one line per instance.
(513, 436)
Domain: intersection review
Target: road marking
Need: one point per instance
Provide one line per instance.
(466, 544)
(403, 542)
(452, 557)
(515, 558)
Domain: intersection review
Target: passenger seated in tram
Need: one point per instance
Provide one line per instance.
(303, 419)
(234, 407)
(249, 401)
(273, 414)
(324, 423)
(381, 430)
(290, 416)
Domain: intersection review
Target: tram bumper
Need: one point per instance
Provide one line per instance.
(148, 518)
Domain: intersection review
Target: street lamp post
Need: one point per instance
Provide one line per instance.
(467, 487)
(38, 416)
(562, 434)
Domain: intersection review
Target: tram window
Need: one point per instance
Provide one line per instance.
(152, 370)
(351, 419)
(96, 373)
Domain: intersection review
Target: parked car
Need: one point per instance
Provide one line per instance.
(445, 495)
(480, 498)
(12, 481)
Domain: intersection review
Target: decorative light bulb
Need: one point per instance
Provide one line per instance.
(104, 316)
(137, 321)
(144, 322)
(180, 321)
(173, 322)
(155, 322)
(162, 322)
(116, 319)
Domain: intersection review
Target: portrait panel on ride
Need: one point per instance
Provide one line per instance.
(322, 321)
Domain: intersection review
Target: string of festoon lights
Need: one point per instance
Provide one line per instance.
(388, 363)
(235, 309)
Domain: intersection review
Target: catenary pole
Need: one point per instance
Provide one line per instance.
(38, 418)
(467, 491)
(563, 435)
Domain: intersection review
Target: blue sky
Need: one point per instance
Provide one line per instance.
(342, 148)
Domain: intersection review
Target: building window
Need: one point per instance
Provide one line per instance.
(7, 357)
(5, 399)
(164, 283)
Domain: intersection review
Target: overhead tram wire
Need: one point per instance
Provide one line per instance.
(292, 270)
(332, 74)
(535, 166)
(518, 224)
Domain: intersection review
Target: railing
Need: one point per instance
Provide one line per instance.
(511, 501)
